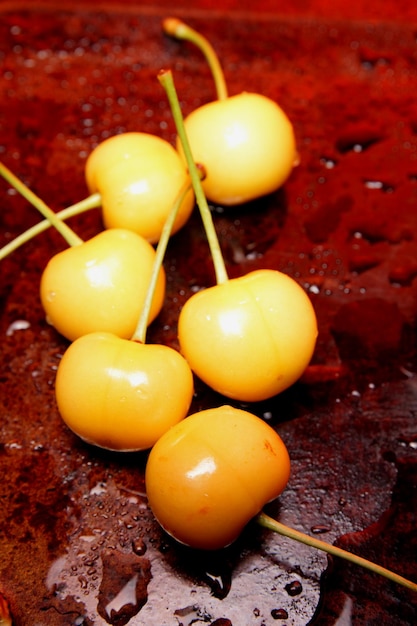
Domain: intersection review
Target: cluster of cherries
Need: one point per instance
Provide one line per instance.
(248, 338)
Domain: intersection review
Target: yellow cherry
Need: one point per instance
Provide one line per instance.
(100, 285)
(138, 176)
(209, 475)
(246, 144)
(251, 337)
(119, 394)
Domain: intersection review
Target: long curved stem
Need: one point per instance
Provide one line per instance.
(271, 524)
(92, 202)
(167, 81)
(178, 29)
(141, 328)
(67, 233)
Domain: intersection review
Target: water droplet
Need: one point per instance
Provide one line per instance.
(139, 547)
(319, 529)
(403, 273)
(379, 185)
(279, 614)
(164, 547)
(187, 610)
(83, 582)
(17, 325)
(328, 163)
(124, 586)
(99, 489)
(219, 583)
(357, 140)
(294, 588)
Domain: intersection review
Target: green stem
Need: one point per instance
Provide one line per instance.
(166, 80)
(272, 524)
(141, 328)
(69, 235)
(91, 202)
(176, 28)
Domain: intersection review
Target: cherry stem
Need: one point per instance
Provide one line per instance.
(92, 202)
(67, 233)
(271, 524)
(141, 328)
(167, 81)
(176, 28)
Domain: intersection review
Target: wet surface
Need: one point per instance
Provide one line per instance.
(79, 545)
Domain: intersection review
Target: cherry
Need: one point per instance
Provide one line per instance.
(121, 394)
(245, 142)
(100, 285)
(138, 177)
(208, 476)
(250, 337)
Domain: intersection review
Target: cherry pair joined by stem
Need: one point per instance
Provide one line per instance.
(123, 394)
(251, 337)
(113, 392)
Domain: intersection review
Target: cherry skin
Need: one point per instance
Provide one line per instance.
(250, 337)
(209, 475)
(100, 285)
(120, 394)
(138, 176)
(246, 144)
